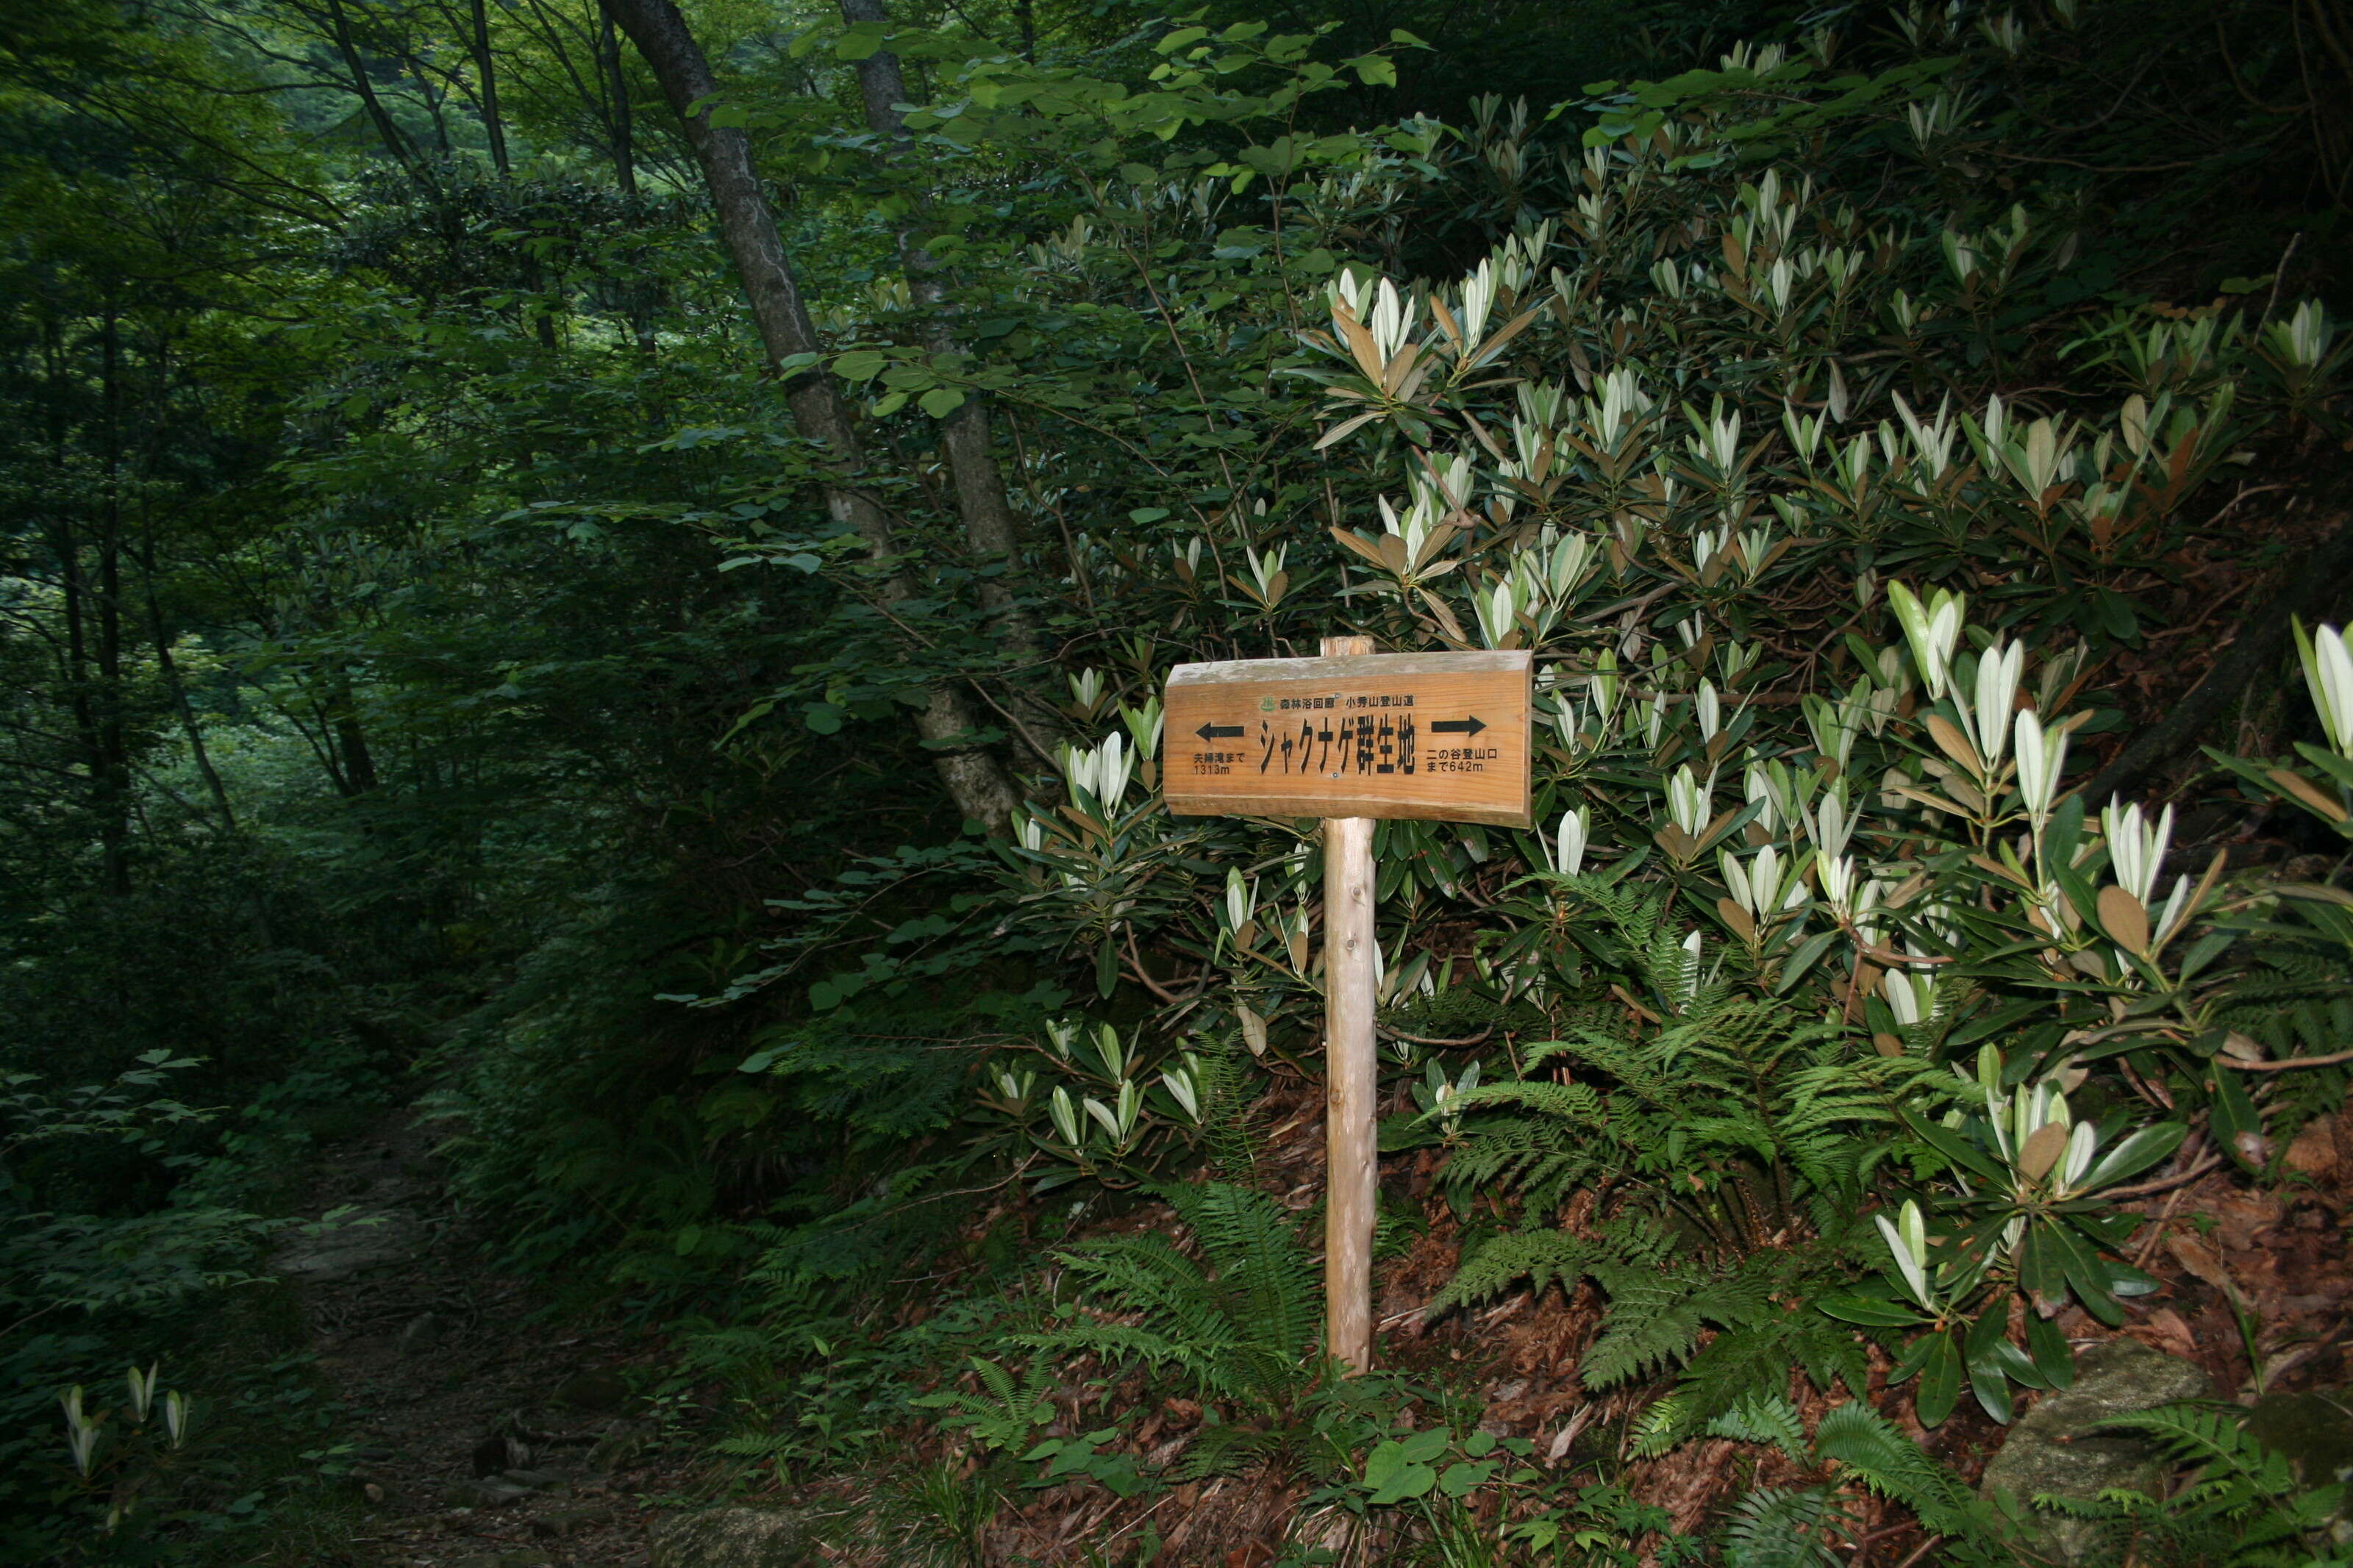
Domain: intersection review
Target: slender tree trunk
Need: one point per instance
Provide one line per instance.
(396, 140)
(113, 748)
(343, 712)
(641, 292)
(486, 76)
(608, 59)
(991, 532)
(73, 583)
(973, 777)
(170, 668)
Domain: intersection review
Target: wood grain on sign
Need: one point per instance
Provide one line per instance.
(1442, 736)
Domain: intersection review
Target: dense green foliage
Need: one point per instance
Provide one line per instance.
(464, 651)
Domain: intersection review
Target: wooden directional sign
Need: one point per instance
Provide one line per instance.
(1433, 735)
(1350, 737)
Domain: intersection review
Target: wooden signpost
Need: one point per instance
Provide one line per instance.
(1352, 737)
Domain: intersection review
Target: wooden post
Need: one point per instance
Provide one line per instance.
(1354, 737)
(1350, 1075)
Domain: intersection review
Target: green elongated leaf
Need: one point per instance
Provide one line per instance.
(2124, 1279)
(859, 364)
(2041, 1268)
(2205, 951)
(2086, 1273)
(1986, 1026)
(2062, 833)
(1872, 1311)
(1915, 1356)
(2017, 1364)
(2235, 1119)
(1808, 954)
(1954, 1147)
(1989, 1373)
(941, 401)
(1940, 1380)
(2054, 1358)
(2135, 1154)
(2076, 886)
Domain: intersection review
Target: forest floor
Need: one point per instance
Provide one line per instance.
(486, 1427)
(490, 1425)
(2257, 1281)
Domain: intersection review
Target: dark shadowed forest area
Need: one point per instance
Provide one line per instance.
(595, 969)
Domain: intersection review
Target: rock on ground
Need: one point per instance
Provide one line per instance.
(2054, 1448)
(733, 1538)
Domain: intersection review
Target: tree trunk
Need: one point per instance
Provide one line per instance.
(977, 781)
(990, 531)
(170, 669)
(359, 776)
(609, 59)
(168, 666)
(639, 292)
(486, 77)
(113, 759)
(396, 142)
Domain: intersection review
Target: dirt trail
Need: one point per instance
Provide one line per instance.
(485, 1438)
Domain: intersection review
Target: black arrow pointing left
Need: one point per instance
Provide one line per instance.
(1219, 731)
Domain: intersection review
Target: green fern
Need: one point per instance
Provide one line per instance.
(1772, 1528)
(2244, 1504)
(1768, 1418)
(1891, 1464)
(1541, 1258)
(1006, 1414)
(1242, 1321)
(1232, 1128)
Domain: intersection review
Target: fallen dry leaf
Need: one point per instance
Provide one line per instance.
(2199, 1258)
(2313, 1153)
(2165, 1330)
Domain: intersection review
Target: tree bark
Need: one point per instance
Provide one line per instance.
(975, 778)
(990, 531)
(396, 140)
(608, 57)
(486, 77)
(113, 759)
(342, 711)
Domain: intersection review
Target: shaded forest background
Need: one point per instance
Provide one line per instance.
(597, 575)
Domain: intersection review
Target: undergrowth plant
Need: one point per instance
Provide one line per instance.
(2243, 1504)
(1824, 1013)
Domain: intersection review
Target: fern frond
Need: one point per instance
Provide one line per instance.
(1238, 1321)
(1651, 1322)
(2205, 1434)
(1658, 1429)
(1764, 1418)
(1772, 1528)
(1539, 1257)
(1893, 1466)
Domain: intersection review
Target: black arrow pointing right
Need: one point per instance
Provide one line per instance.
(1470, 726)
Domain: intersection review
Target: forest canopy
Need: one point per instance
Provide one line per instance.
(588, 597)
